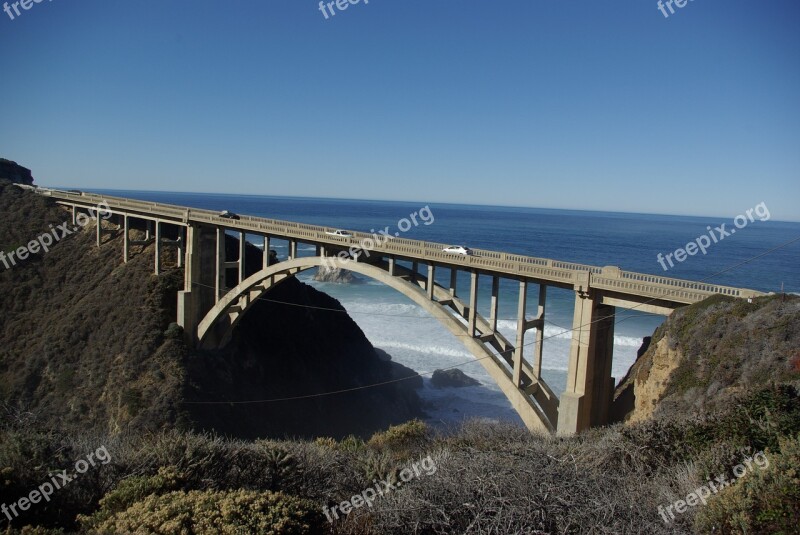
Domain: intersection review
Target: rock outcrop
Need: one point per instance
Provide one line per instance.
(15, 173)
(705, 354)
(452, 378)
(335, 275)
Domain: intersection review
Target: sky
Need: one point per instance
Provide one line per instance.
(576, 104)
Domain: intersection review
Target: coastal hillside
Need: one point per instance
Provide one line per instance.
(706, 354)
(88, 343)
(83, 342)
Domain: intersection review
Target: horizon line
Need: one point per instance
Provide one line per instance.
(415, 202)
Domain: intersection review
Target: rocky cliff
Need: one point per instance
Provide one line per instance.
(14, 172)
(705, 354)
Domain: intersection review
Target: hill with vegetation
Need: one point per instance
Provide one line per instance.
(89, 343)
(704, 355)
(716, 389)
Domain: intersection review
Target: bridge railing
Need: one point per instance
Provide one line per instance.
(609, 278)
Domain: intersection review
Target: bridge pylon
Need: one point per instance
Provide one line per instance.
(587, 398)
(204, 278)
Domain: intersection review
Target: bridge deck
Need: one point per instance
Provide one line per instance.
(553, 272)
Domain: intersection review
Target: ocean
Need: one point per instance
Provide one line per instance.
(630, 241)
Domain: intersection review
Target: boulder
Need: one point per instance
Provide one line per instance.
(335, 275)
(452, 378)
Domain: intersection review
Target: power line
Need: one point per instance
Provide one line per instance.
(411, 316)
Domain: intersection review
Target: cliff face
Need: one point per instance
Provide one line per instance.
(705, 354)
(82, 337)
(86, 343)
(14, 172)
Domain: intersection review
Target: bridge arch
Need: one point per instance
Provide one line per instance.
(217, 326)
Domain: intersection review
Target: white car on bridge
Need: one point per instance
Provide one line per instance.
(458, 249)
(340, 233)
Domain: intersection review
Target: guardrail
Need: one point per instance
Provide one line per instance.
(566, 273)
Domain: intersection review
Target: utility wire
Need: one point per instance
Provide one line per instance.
(411, 316)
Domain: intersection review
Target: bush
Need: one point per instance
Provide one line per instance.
(351, 444)
(401, 439)
(174, 332)
(754, 421)
(763, 501)
(131, 490)
(208, 512)
(27, 458)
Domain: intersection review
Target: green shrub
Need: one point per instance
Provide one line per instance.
(174, 332)
(209, 512)
(351, 444)
(379, 466)
(131, 490)
(755, 421)
(763, 501)
(325, 442)
(401, 438)
(280, 464)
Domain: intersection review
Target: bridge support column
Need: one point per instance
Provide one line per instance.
(158, 248)
(99, 226)
(219, 268)
(431, 284)
(265, 256)
(494, 303)
(523, 300)
(538, 347)
(181, 248)
(126, 240)
(453, 281)
(587, 398)
(292, 249)
(197, 297)
(242, 244)
(473, 303)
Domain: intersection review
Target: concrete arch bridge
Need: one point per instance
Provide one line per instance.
(208, 311)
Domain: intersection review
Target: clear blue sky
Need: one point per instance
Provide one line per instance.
(559, 103)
